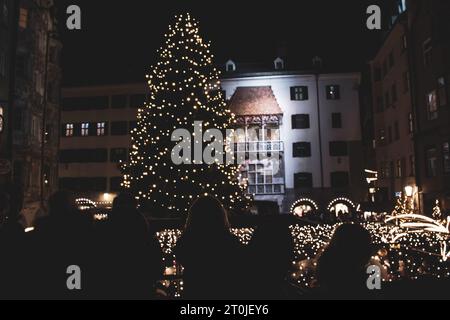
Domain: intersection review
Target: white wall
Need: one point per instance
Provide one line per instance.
(348, 105)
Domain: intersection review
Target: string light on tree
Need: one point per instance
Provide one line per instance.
(184, 89)
(437, 214)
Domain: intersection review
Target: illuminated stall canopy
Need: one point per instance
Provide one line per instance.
(303, 207)
(341, 206)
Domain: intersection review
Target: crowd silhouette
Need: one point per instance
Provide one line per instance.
(119, 259)
(122, 259)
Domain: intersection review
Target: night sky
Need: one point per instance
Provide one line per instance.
(119, 39)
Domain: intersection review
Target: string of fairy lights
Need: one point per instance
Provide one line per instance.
(412, 256)
(184, 89)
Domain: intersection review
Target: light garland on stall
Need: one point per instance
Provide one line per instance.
(337, 200)
(304, 201)
(415, 223)
(85, 204)
(420, 223)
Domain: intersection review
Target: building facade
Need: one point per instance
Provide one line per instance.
(393, 115)
(411, 116)
(312, 120)
(309, 120)
(35, 115)
(429, 38)
(95, 137)
(7, 34)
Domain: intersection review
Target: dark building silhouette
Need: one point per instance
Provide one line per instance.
(30, 90)
(8, 19)
(429, 38)
(409, 76)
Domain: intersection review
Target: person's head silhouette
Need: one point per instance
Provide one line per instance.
(354, 240)
(125, 201)
(61, 203)
(342, 264)
(272, 242)
(207, 215)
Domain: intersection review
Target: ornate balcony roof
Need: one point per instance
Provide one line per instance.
(254, 101)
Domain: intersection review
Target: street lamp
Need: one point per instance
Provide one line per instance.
(107, 197)
(409, 191)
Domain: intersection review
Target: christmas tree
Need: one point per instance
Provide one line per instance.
(437, 213)
(184, 92)
(400, 207)
(403, 205)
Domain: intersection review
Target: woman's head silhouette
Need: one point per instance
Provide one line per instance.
(207, 215)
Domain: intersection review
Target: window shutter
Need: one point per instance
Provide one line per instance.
(305, 93)
(292, 93)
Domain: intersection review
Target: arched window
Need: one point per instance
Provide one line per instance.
(230, 66)
(279, 64)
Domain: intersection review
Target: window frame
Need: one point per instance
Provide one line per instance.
(446, 157)
(303, 123)
(301, 149)
(267, 185)
(336, 123)
(119, 101)
(333, 179)
(116, 130)
(333, 92)
(427, 52)
(442, 91)
(431, 162)
(410, 123)
(432, 105)
(299, 93)
(101, 129)
(24, 16)
(309, 179)
(85, 129)
(412, 165)
(69, 130)
(398, 169)
(115, 157)
(336, 151)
